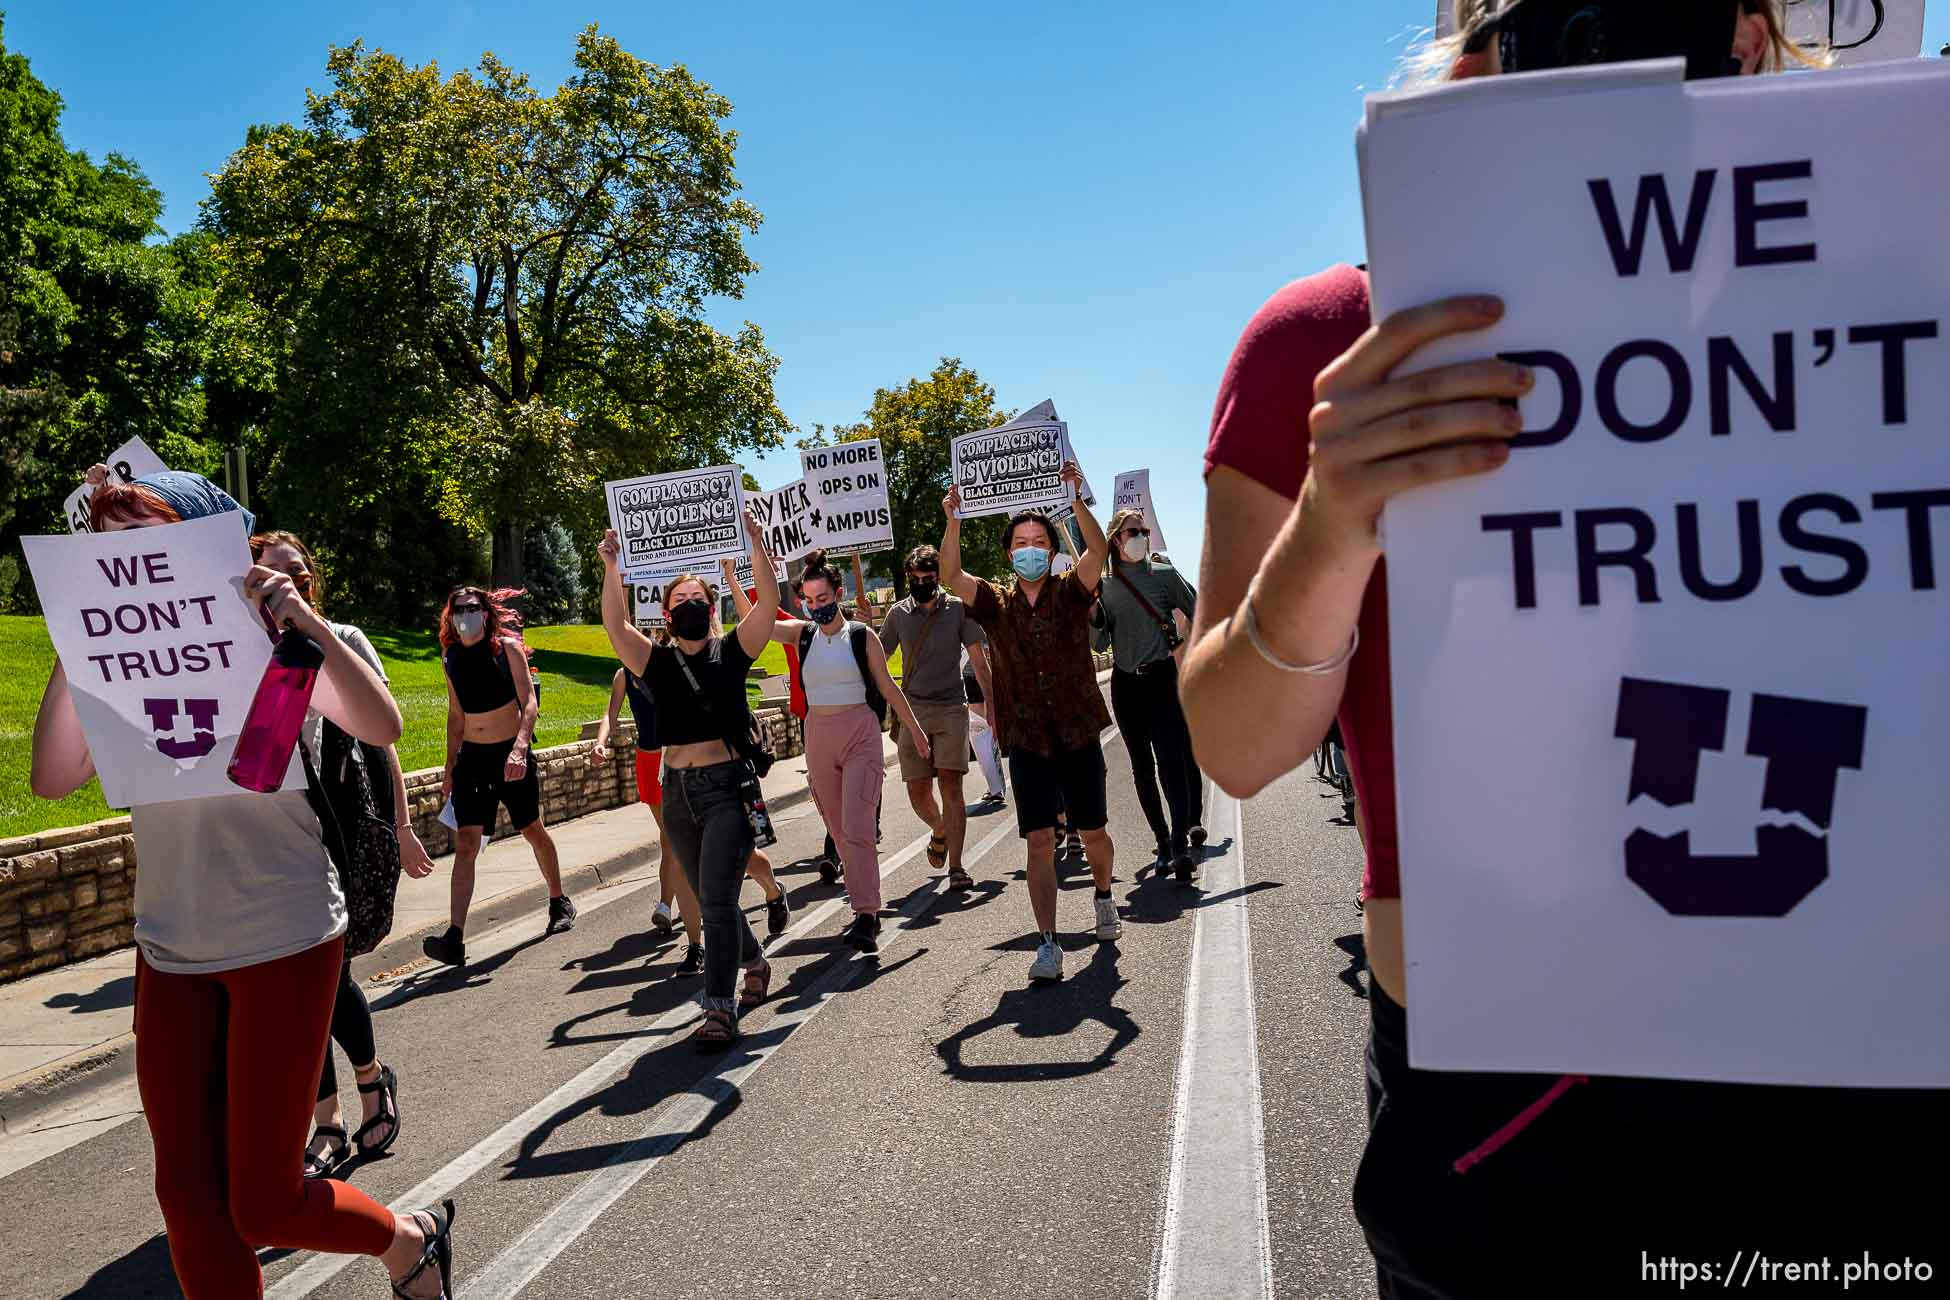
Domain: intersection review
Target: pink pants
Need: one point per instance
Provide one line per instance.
(846, 769)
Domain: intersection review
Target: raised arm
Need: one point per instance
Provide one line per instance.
(1090, 565)
(629, 643)
(755, 624)
(952, 577)
(62, 763)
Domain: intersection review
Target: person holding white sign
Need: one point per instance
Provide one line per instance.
(1049, 712)
(491, 714)
(1477, 1183)
(240, 931)
(848, 693)
(713, 806)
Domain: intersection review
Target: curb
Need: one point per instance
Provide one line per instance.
(27, 1096)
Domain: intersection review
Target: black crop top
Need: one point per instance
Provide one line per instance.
(483, 680)
(720, 671)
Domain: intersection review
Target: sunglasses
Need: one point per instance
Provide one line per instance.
(472, 608)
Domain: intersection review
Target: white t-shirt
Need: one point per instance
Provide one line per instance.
(241, 879)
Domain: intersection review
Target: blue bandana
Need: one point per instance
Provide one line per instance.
(192, 496)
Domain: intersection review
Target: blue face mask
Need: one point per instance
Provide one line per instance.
(1030, 562)
(824, 614)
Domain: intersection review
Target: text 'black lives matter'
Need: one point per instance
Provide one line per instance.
(1806, 744)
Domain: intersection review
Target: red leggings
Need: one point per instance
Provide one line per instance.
(228, 1069)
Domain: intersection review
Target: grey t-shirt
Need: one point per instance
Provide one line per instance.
(930, 641)
(240, 879)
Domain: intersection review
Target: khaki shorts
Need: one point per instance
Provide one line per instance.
(947, 728)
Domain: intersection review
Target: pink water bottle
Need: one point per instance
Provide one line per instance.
(277, 713)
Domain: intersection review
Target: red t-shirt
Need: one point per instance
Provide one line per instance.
(795, 689)
(1259, 428)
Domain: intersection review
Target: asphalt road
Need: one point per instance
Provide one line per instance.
(926, 1124)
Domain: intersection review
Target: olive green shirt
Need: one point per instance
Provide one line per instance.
(1126, 628)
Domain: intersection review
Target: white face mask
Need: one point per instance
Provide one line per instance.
(1133, 549)
(470, 625)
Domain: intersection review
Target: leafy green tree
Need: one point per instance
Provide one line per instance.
(496, 294)
(554, 581)
(102, 334)
(917, 424)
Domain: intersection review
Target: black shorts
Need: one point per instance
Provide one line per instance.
(1047, 786)
(480, 785)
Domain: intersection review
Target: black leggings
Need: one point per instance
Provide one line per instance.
(351, 1029)
(1152, 719)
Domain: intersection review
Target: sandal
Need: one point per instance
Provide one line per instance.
(749, 997)
(959, 880)
(387, 1086)
(324, 1164)
(937, 850)
(715, 1032)
(439, 1252)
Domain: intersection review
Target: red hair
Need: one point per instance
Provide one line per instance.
(502, 617)
(128, 503)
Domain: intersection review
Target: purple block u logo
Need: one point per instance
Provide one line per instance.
(203, 726)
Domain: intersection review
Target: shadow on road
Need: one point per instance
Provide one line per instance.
(116, 993)
(1356, 949)
(1050, 1011)
(142, 1273)
(445, 979)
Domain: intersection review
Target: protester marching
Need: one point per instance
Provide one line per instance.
(1586, 537)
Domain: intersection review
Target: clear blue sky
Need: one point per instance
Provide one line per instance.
(1083, 201)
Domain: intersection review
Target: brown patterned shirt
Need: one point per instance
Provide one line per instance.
(1046, 696)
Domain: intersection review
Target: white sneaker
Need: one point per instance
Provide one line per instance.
(1048, 966)
(1109, 924)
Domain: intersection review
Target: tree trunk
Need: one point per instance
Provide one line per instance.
(510, 540)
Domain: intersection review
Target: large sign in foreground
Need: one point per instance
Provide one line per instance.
(1669, 687)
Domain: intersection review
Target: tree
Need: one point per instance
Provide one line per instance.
(511, 284)
(102, 335)
(554, 575)
(917, 424)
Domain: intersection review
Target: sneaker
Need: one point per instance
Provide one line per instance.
(1162, 854)
(660, 920)
(446, 948)
(1048, 966)
(864, 933)
(1198, 837)
(993, 799)
(561, 914)
(1109, 925)
(1073, 845)
(693, 963)
(829, 871)
(778, 913)
(1183, 866)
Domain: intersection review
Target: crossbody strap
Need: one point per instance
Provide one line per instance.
(731, 740)
(1156, 617)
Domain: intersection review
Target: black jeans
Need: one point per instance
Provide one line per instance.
(1620, 1174)
(351, 1028)
(705, 818)
(1153, 722)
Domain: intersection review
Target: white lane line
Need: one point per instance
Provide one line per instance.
(320, 1269)
(677, 1121)
(1215, 1239)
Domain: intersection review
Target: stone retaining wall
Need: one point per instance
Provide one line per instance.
(70, 893)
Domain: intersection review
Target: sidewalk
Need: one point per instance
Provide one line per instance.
(69, 1029)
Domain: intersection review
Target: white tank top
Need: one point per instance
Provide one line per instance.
(828, 670)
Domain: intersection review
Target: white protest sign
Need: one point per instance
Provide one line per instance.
(1132, 491)
(848, 485)
(1668, 687)
(126, 463)
(1010, 468)
(745, 572)
(647, 600)
(669, 522)
(1044, 412)
(1858, 31)
(786, 516)
(162, 653)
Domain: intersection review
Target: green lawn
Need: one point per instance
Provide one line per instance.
(575, 662)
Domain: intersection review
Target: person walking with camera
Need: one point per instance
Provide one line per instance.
(1137, 602)
(1049, 712)
(933, 630)
(848, 693)
(713, 807)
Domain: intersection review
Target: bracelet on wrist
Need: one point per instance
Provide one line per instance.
(1324, 668)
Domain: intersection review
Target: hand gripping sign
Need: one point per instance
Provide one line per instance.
(1668, 687)
(126, 463)
(162, 652)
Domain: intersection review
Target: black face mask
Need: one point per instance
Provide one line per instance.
(923, 588)
(691, 620)
(1533, 35)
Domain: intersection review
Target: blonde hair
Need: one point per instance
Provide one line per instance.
(1433, 61)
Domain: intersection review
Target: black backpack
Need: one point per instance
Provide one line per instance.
(351, 789)
(857, 633)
